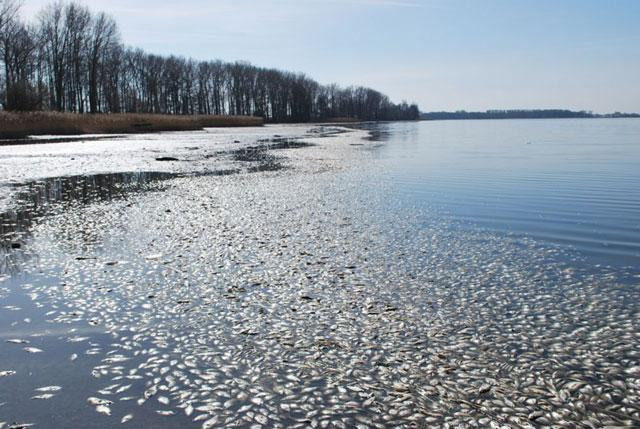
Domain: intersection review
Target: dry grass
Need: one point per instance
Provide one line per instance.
(21, 125)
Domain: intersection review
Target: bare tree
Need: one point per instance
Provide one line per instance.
(103, 40)
(74, 60)
(54, 46)
(17, 46)
(17, 53)
(77, 20)
(8, 11)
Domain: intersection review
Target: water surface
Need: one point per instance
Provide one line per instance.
(568, 182)
(432, 274)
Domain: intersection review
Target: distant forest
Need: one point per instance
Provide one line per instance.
(72, 60)
(522, 114)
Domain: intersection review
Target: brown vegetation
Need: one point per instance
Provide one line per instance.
(20, 125)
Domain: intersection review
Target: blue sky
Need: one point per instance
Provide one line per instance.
(444, 55)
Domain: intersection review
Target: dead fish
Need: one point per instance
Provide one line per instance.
(123, 388)
(49, 389)
(188, 410)
(210, 423)
(243, 409)
(103, 409)
(17, 341)
(98, 401)
(6, 373)
(44, 396)
(77, 339)
(32, 350)
(126, 418)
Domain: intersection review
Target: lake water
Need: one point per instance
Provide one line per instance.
(568, 182)
(429, 274)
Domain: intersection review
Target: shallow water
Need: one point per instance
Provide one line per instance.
(345, 288)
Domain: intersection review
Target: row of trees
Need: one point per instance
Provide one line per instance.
(73, 60)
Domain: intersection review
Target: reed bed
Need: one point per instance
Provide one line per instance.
(21, 125)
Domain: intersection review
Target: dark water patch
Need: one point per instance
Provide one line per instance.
(38, 195)
(377, 134)
(280, 143)
(256, 155)
(266, 167)
(52, 196)
(260, 153)
(327, 131)
(252, 154)
(45, 197)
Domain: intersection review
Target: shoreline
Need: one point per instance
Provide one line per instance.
(215, 150)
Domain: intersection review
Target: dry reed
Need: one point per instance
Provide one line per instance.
(21, 125)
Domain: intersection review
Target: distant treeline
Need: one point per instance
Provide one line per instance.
(523, 114)
(72, 60)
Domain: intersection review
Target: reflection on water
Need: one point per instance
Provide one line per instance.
(574, 183)
(39, 198)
